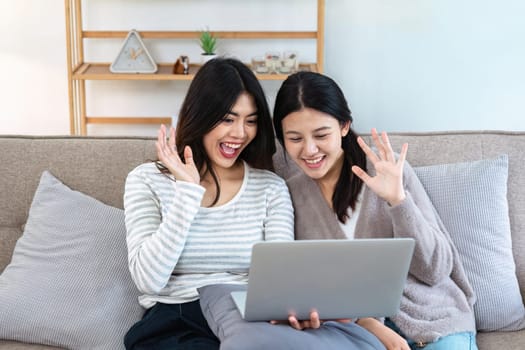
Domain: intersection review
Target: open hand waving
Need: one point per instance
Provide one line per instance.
(167, 153)
(388, 181)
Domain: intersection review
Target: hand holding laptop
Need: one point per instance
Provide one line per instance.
(313, 322)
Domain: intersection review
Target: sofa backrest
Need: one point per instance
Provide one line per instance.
(98, 166)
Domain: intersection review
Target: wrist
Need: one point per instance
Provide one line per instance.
(397, 200)
(366, 322)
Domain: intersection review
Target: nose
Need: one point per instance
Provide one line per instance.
(238, 129)
(311, 147)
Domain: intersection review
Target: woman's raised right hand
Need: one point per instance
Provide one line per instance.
(167, 154)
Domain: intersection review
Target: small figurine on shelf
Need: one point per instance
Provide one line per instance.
(289, 63)
(273, 61)
(182, 65)
(185, 64)
(259, 65)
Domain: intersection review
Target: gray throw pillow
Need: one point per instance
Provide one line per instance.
(236, 334)
(471, 199)
(68, 283)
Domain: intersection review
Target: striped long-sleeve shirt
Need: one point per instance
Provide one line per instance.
(176, 246)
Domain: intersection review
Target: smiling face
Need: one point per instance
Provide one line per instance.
(225, 142)
(313, 140)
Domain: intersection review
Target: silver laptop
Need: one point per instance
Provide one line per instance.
(337, 278)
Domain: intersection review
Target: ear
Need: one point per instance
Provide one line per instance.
(345, 128)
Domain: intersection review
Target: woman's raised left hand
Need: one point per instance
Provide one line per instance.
(388, 181)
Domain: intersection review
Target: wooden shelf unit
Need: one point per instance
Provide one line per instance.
(80, 71)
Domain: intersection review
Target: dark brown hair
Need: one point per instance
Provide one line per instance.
(211, 95)
(319, 92)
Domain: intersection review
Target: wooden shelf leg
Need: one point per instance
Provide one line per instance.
(320, 35)
(82, 100)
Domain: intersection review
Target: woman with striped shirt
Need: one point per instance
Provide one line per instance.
(193, 216)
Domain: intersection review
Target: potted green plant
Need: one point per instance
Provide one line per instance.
(208, 44)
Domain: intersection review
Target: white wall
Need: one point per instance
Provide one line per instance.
(405, 65)
(33, 75)
(430, 64)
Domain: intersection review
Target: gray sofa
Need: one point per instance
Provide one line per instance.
(98, 167)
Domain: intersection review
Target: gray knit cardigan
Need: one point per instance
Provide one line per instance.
(437, 299)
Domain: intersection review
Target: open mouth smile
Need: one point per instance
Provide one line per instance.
(314, 162)
(230, 150)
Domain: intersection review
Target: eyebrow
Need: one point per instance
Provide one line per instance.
(237, 114)
(322, 128)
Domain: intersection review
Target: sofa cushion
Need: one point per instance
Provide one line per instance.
(9, 236)
(471, 199)
(501, 340)
(68, 284)
(236, 334)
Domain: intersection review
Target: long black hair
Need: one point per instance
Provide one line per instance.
(321, 93)
(210, 97)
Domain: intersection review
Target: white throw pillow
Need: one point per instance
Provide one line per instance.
(471, 199)
(68, 284)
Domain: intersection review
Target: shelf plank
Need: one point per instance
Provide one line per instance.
(100, 71)
(129, 120)
(106, 34)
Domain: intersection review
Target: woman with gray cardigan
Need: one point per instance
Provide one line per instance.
(348, 190)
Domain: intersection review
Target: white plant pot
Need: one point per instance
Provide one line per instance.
(206, 57)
